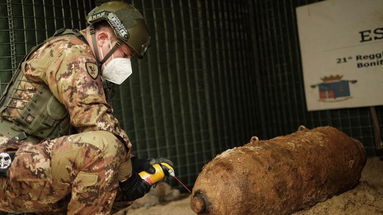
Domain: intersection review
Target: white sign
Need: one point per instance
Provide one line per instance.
(342, 53)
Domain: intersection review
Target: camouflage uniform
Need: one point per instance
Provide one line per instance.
(82, 167)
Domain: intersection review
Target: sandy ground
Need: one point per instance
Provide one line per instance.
(364, 199)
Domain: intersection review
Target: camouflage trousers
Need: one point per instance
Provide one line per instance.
(77, 172)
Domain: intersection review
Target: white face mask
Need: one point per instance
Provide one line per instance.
(117, 70)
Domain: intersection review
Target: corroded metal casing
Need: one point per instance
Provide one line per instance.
(280, 175)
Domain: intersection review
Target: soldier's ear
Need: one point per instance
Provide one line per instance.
(102, 37)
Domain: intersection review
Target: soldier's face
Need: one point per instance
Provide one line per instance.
(118, 67)
(122, 52)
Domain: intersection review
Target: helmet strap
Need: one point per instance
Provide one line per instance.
(94, 42)
(115, 47)
(95, 47)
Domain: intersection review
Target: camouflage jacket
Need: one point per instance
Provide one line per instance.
(68, 67)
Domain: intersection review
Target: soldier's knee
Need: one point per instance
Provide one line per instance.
(80, 151)
(105, 141)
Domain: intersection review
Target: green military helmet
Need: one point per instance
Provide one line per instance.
(127, 22)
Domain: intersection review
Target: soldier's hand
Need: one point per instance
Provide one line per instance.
(166, 164)
(135, 187)
(140, 165)
(138, 185)
(146, 165)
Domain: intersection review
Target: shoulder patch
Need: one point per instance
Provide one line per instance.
(92, 69)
